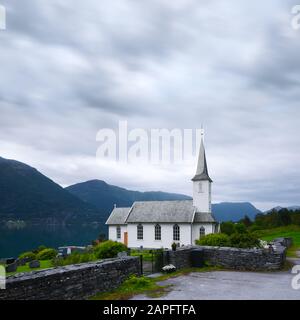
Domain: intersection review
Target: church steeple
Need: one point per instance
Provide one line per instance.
(202, 171)
(202, 183)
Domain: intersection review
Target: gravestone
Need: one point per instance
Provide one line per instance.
(21, 262)
(122, 254)
(11, 267)
(34, 264)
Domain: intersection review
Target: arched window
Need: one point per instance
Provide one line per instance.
(140, 232)
(202, 232)
(118, 232)
(157, 232)
(176, 232)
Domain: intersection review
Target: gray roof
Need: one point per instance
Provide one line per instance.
(181, 211)
(118, 216)
(202, 171)
(204, 217)
(162, 211)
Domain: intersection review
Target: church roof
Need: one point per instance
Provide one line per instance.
(161, 211)
(204, 217)
(202, 171)
(180, 211)
(118, 216)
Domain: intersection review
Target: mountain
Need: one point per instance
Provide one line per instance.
(104, 196)
(26, 194)
(234, 211)
(278, 208)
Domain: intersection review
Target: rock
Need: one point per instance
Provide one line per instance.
(11, 267)
(34, 264)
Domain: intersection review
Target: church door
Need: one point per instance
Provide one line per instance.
(126, 238)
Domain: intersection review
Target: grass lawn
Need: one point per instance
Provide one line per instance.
(44, 265)
(288, 231)
(147, 254)
(144, 285)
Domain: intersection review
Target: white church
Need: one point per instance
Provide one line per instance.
(158, 224)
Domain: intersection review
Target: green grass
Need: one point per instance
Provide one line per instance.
(149, 286)
(147, 255)
(288, 232)
(44, 265)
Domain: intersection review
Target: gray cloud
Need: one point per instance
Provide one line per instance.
(70, 68)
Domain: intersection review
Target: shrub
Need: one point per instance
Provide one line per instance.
(46, 254)
(137, 283)
(215, 239)
(28, 255)
(109, 249)
(244, 240)
(73, 258)
(240, 228)
(227, 227)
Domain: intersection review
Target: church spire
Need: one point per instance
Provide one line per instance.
(202, 171)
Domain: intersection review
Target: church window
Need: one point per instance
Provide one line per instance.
(200, 190)
(157, 232)
(140, 232)
(118, 232)
(202, 232)
(176, 232)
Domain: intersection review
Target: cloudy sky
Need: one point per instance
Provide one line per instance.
(71, 68)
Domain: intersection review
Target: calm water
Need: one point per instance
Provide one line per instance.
(14, 242)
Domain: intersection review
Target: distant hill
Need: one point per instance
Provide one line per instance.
(234, 211)
(104, 196)
(278, 208)
(28, 195)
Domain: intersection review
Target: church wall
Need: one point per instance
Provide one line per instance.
(209, 228)
(112, 233)
(166, 235)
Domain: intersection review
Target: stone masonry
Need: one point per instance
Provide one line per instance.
(75, 282)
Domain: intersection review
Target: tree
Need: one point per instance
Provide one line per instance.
(246, 221)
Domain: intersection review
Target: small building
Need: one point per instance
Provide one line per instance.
(158, 224)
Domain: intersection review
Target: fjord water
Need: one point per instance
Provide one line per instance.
(15, 241)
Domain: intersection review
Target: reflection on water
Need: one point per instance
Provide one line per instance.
(15, 241)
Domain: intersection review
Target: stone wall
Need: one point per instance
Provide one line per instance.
(181, 258)
(230, 258)
(244, 259)
(70, 282)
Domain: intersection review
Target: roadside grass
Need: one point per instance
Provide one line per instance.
(45, 264)
(291, 231)
(149, 286)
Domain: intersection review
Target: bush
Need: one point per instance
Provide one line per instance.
(28, 255)
(227, 227)
(244, 240)
(73, 258)
(109, 249)
(215, 239)
(46, 254)
(137, 283)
